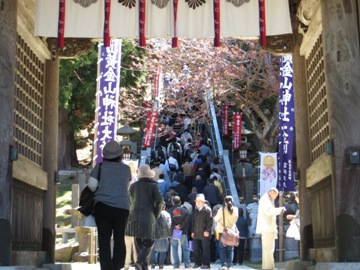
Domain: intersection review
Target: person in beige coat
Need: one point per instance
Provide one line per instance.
(266, 226)
(226, 217)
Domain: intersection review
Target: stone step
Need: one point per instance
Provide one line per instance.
(22, 267)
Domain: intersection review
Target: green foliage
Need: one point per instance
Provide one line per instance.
(78, 88)
(132, 65)
(63, 203)
(78, 82)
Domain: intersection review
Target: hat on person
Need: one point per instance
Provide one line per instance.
(200, 197)
(112, 149)
(144, 171)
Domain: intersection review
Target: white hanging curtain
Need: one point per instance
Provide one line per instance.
(195, 18)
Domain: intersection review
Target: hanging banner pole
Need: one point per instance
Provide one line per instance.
(217, 23)
(107, 23)
(61, 24)
(174, 42)
(142, 17)
(262, 22)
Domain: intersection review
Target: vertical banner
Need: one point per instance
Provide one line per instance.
(150, 128)
(142, 18)
(107, 96)
(174, 41)
(286, 125)
(107, 23)
(225, 119)
(147, 108)
(268, 172)
(217, 23)
(262, 22)
(237, 130)
(61, 24)
(156, 84)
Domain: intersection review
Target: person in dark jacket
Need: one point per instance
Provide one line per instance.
(201, 224)
(199, 183)
(111, 205)
(158, 253)
(200, 171)
(212, 193)
(180, 222)
(146, 203)
(181, 190)
(157, 154)
(243, 228)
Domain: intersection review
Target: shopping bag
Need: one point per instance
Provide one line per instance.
(177, 234)
(293, 231)
(161, 245)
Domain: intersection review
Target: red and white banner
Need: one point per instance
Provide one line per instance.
(237, 130)
(147, 18)
(156, 85)
(225, 120)
(150, 128)
(147, 108)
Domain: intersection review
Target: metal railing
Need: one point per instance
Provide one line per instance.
(230, 187)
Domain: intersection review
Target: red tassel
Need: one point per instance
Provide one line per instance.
(174, 42)
(142, 17)
(61, 24)
(217, 23)
(107, 23)
(262, 22)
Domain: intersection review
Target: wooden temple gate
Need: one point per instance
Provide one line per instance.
(325, 47)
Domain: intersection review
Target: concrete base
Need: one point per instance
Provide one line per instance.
(72, 266)
(33, 258)
(26, 267)
(255, 249)
(337, 266)
(321, 255)
(298, 265)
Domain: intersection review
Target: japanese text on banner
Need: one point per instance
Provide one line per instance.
(237, 130)
(150, 128)
(107, 95)
(286, 125)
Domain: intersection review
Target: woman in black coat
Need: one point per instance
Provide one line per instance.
(146, 203)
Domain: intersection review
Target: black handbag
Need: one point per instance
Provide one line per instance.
(86, 201)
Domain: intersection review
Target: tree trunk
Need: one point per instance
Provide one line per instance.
(67, 145)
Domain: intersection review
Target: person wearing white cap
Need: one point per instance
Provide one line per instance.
(111, 205)
(146, 203)
(266, 226)
(201, 224)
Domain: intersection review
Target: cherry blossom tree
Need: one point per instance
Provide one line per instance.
(238, 73)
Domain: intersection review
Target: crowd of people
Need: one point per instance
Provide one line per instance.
(164, 212)
(172, 211)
